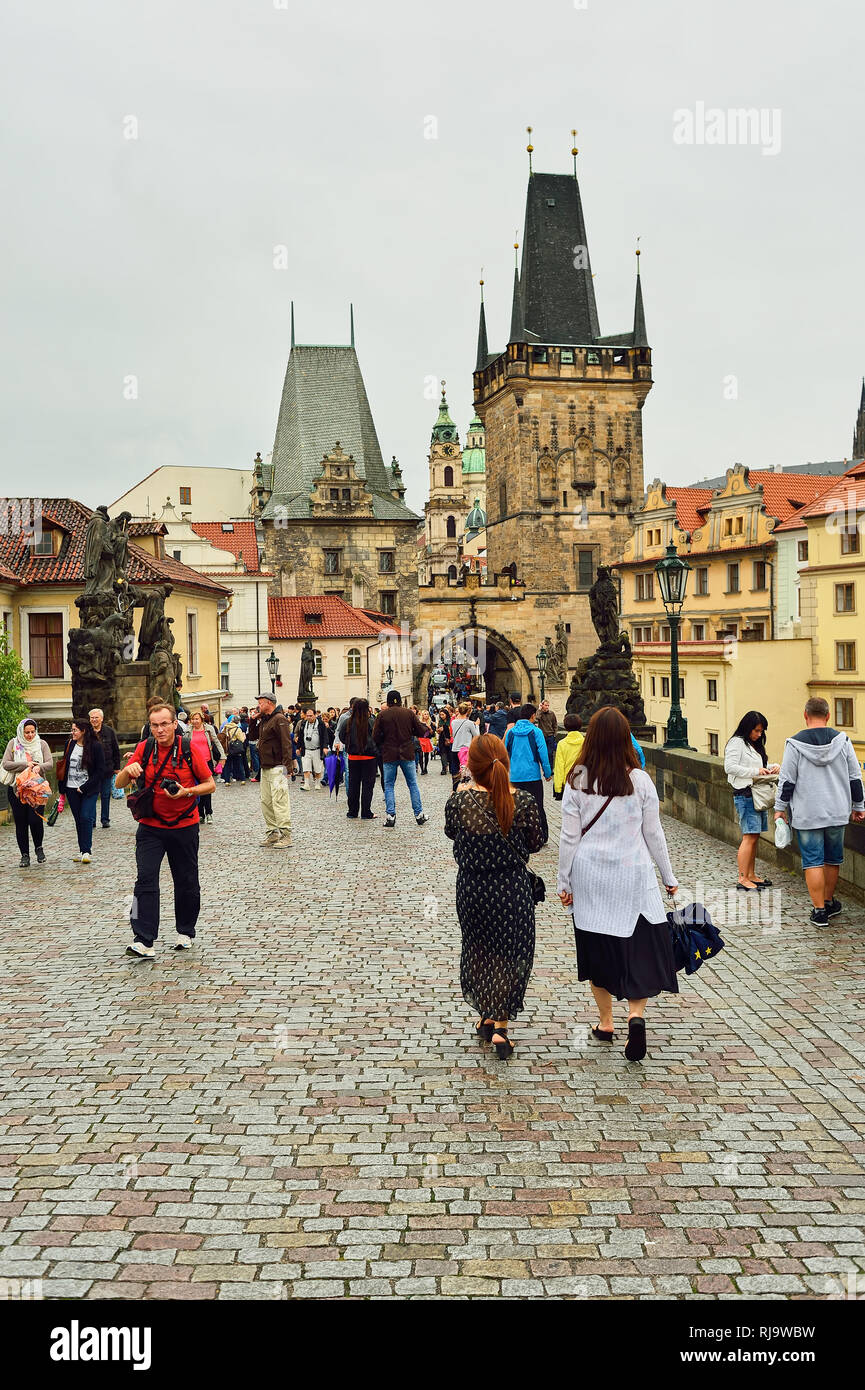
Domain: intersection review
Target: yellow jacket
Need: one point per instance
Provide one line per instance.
(567, 752)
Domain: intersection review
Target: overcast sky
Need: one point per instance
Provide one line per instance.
(303, 127)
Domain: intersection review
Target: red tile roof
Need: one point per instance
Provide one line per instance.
(785, 493)
(844, 493)
(148, 528)
(67, 566)
(690, 503)
(242, 541)
(287, 619)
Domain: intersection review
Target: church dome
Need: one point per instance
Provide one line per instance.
(474, 461)
(444, 430)
(476, 519)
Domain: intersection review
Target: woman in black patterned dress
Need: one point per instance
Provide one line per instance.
(495, 828)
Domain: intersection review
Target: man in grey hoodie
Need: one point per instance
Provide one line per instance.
(821, 783)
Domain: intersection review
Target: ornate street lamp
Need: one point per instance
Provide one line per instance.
(389, 675)
(672, 571)
(542, 659)
(272, 664)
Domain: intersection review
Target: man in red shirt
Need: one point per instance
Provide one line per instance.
(172, 829)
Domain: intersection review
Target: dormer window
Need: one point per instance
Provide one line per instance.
(43, 542)
(312, 618)
(228, 526)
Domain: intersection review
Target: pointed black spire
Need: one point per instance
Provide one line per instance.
(518, 332)
(483, 348)
(859, 432)
(640, 336)
(557, 292)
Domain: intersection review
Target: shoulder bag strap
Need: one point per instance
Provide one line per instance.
(596, 816)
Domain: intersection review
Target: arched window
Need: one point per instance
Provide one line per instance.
(317, 669)
(451, 528)
(452, 571)
(353, 660)
(449, 476)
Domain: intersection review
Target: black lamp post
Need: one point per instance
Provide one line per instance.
(542, 659)
(389, 675)
(672, 571)
(272, 664)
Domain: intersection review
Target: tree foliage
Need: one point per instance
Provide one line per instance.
(14, 680)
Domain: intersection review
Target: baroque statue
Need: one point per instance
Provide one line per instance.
(305, 691)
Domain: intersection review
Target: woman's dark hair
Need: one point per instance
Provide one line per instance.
(607, 754)
(490, 767)
(746, 726)
(358, 724)
(87, 742)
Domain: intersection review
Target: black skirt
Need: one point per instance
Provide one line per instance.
(629, 967)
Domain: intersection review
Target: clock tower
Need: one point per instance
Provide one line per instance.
(444, 513)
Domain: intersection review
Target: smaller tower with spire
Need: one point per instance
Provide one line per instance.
(859, 432)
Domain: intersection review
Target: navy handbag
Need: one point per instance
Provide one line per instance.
(694, 936)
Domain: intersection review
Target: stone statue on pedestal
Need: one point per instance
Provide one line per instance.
(607, 678)
(305, 693)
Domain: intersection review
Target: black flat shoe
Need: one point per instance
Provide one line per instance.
(602, 1035)
(485, 1031)
(635, 1047)
(763, 882)
(505, 1048)
(743, 888)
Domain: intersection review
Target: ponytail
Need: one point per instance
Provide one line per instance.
(490, 767)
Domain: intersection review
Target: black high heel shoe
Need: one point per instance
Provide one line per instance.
(503, 1049)
(485, 1031)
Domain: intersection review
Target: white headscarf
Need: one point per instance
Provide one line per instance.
(24, 746)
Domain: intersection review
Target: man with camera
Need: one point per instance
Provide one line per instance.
(171, 774)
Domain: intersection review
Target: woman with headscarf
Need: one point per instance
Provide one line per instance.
(24, 749)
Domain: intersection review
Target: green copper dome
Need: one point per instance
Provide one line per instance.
(474, 461)
(476, 519)
(444, 430)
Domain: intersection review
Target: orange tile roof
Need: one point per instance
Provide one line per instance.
(287, 619)
(785, 493)
(844, 493)
(67, 566)
(690, 503)
(241, 541)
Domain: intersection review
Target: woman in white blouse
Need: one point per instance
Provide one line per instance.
(745, 761)
(611, 840)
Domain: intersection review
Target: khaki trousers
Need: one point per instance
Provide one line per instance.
(275, 803)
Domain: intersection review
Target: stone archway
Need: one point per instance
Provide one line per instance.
(503, 666)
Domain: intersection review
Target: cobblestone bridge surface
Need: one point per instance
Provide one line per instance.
(297, 1107)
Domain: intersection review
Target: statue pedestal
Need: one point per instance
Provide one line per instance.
(130, 707)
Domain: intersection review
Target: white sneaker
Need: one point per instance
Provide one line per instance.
(85, 858)
(76, 858)
(319, 786)
(138, 948)
(183, 943)
(304, 787)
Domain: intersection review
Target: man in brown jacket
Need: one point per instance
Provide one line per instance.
(394, 733)
(274, 751)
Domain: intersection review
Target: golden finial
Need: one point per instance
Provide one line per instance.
(637, 254)
(444, 383)
(516, 246)
(574, 150)
(529, 147)
(481, 283)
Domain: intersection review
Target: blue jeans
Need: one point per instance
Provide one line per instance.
(234, 767)
(254, 759)
(751, 821)
(408, 772)
(83, 810)
(105, 799)
(823, 846)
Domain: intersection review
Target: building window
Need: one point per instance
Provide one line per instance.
(46, 646)
(701, 580)
(223, 621)
(353, 662)
(665, 687)
(646, 585)
(333, 561)
(346, 494)
(698, 632)
(849, 542)
(732, 579)
(539, 355)
(585, 569)
(387, 602)
(452, 571)
(759, 574)
(334, 494)
(641, 634)
(681, 687)
(728, 526)
(712, 692)
(176, 554)
(43, 543)
(386, 561)
(798, 601)
(653, 684)
(318, 667)
(451, 527)
(449, 475)
(564, 499)
(224, 676)
(664, 632)
(593, 359)
(845, 598)
(567, 357)
(739, 526)
(845, 656)
(802, 551)
(186, 497)
(191, 642)
(843, 714)
(713, 745)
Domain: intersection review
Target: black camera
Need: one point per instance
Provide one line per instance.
(169, 784)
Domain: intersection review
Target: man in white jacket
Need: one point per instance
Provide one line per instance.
(821, 783)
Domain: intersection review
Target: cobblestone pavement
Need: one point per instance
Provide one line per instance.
(297, 1108)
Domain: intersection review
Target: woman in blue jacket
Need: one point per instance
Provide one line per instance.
(530, 761)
